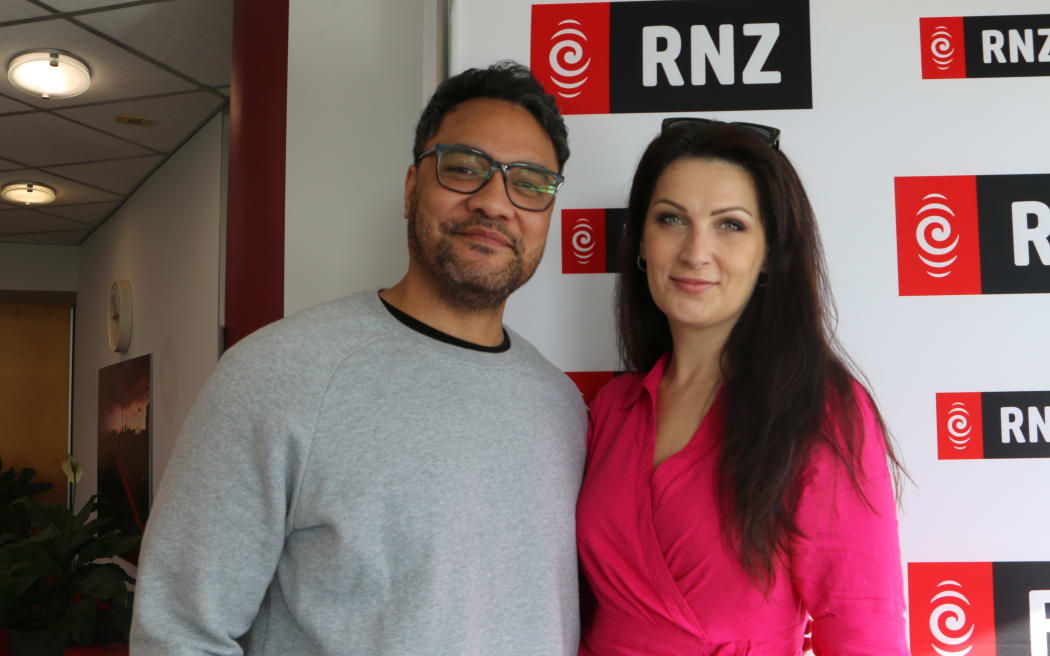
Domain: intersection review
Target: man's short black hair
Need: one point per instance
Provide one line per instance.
(505, 80)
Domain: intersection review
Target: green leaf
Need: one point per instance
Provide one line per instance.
(44, 514)
(48, 533)
(33, 565)
(112, 543)
(104, 581)
(113, 624)
(12, 589)
(80, 621)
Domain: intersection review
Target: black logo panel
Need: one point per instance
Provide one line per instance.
(1014, 217)
(615, 219)
(1007, 46)
(1016, 424)
(696, 55)
(1022, 607)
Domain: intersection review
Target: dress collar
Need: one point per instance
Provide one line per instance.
(650, 382)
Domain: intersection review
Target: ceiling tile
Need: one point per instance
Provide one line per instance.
(42, 139)
(175, 117)
(10, 105)
(19, 9)
(77, 5)
(93, 213)
(67, 192)
(59, 238)
(24, 220)
(115, 72)
(194, 37)
(119, 175)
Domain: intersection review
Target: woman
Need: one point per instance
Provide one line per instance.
(738, 482)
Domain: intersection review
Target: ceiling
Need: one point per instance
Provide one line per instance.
(163, 60)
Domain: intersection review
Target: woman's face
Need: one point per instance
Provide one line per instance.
(704, 243)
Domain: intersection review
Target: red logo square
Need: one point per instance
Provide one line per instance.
(943, 51)
(938, 247)
(590, 382)
(951, 609)
(960, 434)
(570, 55)
(583, 241)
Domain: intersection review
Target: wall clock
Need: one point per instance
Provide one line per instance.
(120, 314)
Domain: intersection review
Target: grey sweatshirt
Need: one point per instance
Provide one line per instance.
(347, 485)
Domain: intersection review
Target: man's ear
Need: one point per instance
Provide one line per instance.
(410, 188)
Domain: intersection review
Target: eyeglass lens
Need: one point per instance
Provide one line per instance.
(467, 171)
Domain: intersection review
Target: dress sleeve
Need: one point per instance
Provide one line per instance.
(847, 565)
(217, 526)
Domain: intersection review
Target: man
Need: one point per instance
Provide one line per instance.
(391, 473)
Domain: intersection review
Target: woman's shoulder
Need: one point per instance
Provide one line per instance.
(853, 430)
(851, 406)
(622, 389)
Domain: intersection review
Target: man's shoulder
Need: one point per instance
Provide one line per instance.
(328, 332)
(534, 364)
(348, 320)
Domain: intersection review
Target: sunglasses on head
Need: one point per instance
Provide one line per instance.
(769, 134)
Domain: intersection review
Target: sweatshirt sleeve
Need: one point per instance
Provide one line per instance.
(847, 565)
(217, 526)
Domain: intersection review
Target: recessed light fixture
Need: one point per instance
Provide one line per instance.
(28, 193)
(49, 73)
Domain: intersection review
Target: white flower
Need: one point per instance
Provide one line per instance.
(72, 469)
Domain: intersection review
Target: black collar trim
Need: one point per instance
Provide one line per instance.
(434, 333)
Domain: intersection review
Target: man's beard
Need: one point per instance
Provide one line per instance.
(462, 284)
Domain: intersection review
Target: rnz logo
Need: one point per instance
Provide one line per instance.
(976, 425)
(934, 236)
(985, 46)
(583, 240)
(662, 45)
(942, 49)
(640, 57)
(952, 632)
(568, 59)
(966, 234)
(959, 428)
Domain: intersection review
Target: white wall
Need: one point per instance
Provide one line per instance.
(873, 118)
(165, 241)
(32, 267)
(358, 76)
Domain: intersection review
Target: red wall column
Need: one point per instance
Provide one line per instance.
(255, 181)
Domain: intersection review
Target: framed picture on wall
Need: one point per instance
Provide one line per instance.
(124, 445)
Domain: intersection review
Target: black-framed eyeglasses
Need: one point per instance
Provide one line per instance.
(466, 170)
(769, 134)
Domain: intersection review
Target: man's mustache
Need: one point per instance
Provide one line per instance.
(487, 224)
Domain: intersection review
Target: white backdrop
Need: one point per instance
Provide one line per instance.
(873, 118)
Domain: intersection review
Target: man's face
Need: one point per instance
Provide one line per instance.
(475, 249)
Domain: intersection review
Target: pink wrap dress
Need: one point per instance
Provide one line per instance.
(666, 582)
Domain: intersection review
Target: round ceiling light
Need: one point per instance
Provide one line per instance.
(28, 193)
(49, 74)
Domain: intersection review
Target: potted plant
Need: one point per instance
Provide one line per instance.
(53, 589)
(15, 484)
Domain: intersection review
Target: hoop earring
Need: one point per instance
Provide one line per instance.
(640, 263)
(763, 279)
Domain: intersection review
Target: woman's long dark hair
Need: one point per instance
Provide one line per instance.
(786, 387)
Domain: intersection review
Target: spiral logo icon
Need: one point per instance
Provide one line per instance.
(941, 48)
(567, 58)
(959, 427)
(934, 235)
(950, 628)
(583, 241)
